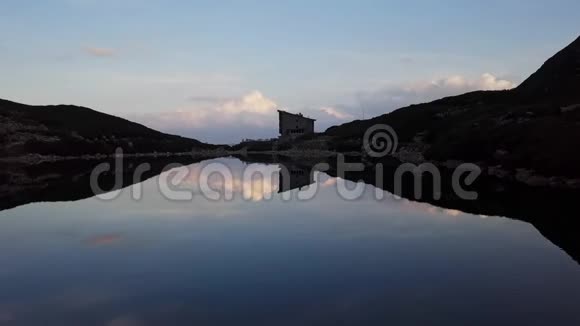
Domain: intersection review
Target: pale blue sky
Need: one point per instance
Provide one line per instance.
(174, 64)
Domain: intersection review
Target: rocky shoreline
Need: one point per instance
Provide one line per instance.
(415, 154)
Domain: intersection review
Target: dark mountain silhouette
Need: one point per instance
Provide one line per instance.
(67, 130)
(535, 126)
(558, 80)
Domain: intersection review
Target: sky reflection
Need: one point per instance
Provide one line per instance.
(274, 261)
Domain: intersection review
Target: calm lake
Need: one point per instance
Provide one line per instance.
(268, 257)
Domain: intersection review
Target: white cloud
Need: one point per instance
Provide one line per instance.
(335, 113)
(250, 116)
(491, 82)
(254, 102)
(100, 52)
(392, 97)
(486, 82)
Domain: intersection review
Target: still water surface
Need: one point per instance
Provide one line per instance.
(258, 260)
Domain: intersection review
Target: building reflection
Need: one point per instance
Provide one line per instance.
(294, 176)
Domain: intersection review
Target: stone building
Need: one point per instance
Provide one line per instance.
(294, 125)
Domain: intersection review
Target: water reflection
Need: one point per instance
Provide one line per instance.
(551, 211)
(297, 177)
(259, 259)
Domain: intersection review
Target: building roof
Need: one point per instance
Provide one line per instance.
(299, 115)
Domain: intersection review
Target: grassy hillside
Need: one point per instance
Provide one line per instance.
(73, 130)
